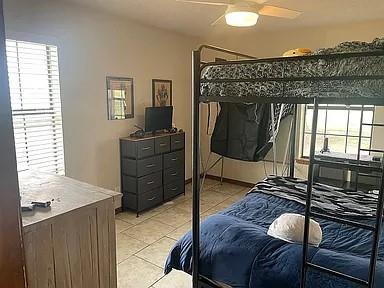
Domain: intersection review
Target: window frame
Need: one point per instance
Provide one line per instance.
(327, 107)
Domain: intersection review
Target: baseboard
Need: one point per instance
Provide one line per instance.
(226, 180)
(231, 181)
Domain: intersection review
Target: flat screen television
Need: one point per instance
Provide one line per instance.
(158, 118)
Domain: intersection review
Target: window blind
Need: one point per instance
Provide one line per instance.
(36, 106)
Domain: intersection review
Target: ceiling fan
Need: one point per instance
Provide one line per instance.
(245, 13)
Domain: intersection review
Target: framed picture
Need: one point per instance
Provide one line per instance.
(120, 98)
(161, 92)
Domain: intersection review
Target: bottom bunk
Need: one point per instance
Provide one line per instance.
(236, 250)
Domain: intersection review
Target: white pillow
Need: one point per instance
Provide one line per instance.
(290, 227)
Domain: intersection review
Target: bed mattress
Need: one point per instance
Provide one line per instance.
(263, 78)
(236, 250)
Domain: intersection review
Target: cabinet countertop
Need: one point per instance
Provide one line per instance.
(151, 136)
(65, 194)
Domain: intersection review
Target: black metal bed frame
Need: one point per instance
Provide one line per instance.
(199, 281)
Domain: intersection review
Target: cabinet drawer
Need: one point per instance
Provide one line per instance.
(145, 148)
(149, 165)
(162, 144)
(143, 184)
(143, 201)
(173, 174)
(142, 167)
(127, 149)
(128, 166)
(173, 189)
(137, 149)
(177, 141)
(150, 182)
(174, 159)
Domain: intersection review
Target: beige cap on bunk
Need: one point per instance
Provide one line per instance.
(297, 52)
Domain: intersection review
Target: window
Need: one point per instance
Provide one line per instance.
(341, 125)
(36, 108)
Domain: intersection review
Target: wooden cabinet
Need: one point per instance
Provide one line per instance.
(72, 243)
(152, 170)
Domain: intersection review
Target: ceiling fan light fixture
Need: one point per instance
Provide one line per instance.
(238, 16)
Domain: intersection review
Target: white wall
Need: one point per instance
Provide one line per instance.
(270, 44)
(93, 45)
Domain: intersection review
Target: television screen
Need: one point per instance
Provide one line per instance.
(158, 118)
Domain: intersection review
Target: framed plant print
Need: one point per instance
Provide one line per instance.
(161, 92)
(120, 98)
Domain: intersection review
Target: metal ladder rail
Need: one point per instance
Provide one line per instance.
(376, 229)
(379, 208)
(362, 124)
(376, 234)
(359, 147)
(309, 193)
(308, 213)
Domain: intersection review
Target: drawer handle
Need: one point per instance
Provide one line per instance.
(151, 199)
(150, 165)
(174, 189)
(163, 144)
(174, 159)
(174, 174)
(146, 148)
(150, 182)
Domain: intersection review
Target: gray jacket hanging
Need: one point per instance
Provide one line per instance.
(244, 131)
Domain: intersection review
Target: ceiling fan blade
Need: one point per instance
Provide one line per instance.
(279, 12)
(204, 3)
(258, 1)
(217, 20)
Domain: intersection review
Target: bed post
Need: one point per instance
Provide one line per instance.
(309, 192)
(377, 233)
(196, 167)
(293, 143)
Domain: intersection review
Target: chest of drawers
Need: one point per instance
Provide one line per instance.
(152, 170)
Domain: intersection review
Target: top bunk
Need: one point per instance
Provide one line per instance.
(350, 73)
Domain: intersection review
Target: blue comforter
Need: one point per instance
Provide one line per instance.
(236, 250)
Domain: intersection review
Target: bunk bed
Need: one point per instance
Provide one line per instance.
(232, 246)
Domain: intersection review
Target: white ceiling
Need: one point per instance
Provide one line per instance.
(196, 20)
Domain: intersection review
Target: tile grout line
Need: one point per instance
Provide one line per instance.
(146, 245)
(132, 236)
(149, 262)
(134, 254)
(153, 265)
(157, 281)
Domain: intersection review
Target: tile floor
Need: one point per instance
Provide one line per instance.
(143, 243)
